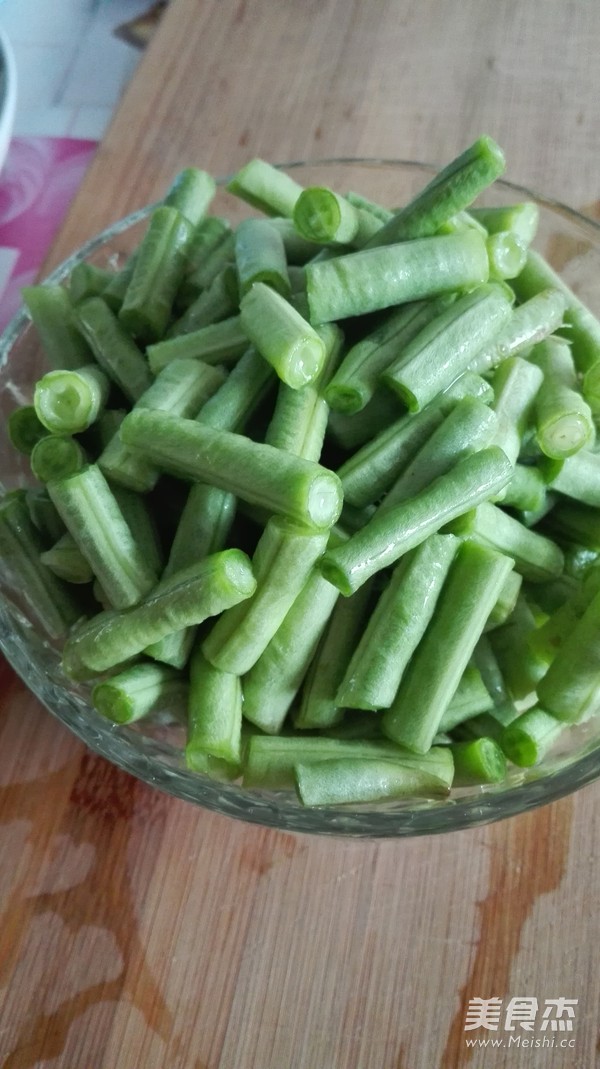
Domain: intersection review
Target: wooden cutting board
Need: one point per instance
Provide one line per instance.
(140, 931)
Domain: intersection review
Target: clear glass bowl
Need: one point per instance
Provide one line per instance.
(152, 749)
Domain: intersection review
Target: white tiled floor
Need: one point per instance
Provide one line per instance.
(71, 69)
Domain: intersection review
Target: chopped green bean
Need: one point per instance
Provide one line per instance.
(397, 625)
(188, 597)
(285, 339)
(56, 457)
(53, 316)
(259, 474)
(391, 533)
(159, 269)
(115, 351)
(140, 691)
(68, 402)
(374, 279)
(444, 348)
(214, 712)
(467, 598)
(25, 429)
(450, 191)
(282, 563)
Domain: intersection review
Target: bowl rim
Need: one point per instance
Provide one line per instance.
(272, 809)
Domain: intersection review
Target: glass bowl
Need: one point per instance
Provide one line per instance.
(152, 749)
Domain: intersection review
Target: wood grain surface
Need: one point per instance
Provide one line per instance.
(139, 931)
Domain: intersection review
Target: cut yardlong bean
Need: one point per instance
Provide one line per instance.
(260, 256)
(298, 250)
(488, 725)
(93, 517)
(282, 563)
(205, 239)
(577, 523)
(258, 473)
(528, 324)
(285, 339)
(536, 557)
(516, 383)
(67, 402)
(371, 471)
(21, 546)
(233, 403)
(191, 192)
(474, 582)
(159, 269)
(66, 560)
(116, 289)
(265, 187)
(469, 384)
(323, 216)
(88, 280)
(142, 524)
(140, 691)
(209, 512)
(462, 221)
(444, 348)
(319, 707)
(526, 490)
(397, 625)
(578, 477)
(218, 301)
(115, 351)
(374, 279)
(520, 219)
(349, 780)
(507, 255)
(181, 388)
(214, 712)
(470, 698)
(529, 737)
(189, 597)
(582, 328)
(270, 759)
(383, 454)
(356, 430)
(564, 421)
(478, 761)
(468, 427)
(570, 687)
(299, 419)
(219, 343)
(216, 263)
(56, 457)
(53, 316)
(522, 667)
(486, 662)
(25, 428)
(394, 532)
(507, 599)
(203, 529)
(383, 214)
(274, 680)
(44, 516)
(357, 378)
(453, 189)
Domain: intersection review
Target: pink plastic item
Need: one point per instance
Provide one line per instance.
(40, 178)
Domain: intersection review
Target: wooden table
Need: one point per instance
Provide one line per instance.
(139, 931)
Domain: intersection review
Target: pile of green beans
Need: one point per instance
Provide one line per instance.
(328, 481)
